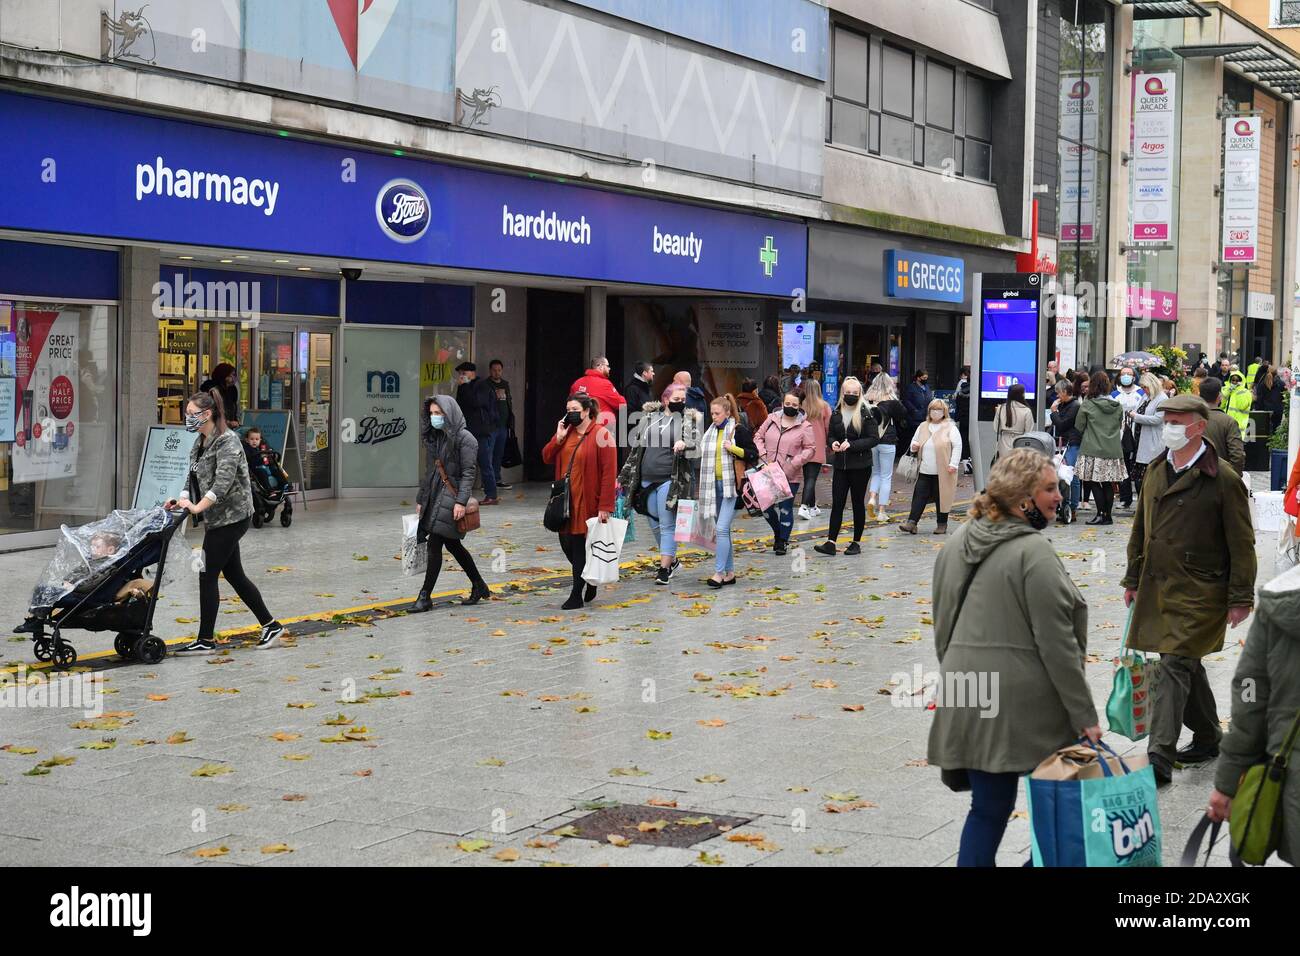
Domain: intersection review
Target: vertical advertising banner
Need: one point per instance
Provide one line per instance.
(381, 395)
(1067, 330)
(831, 372)
(45, 400)
(1080, 125)
(1153, 156)
(1241, 148)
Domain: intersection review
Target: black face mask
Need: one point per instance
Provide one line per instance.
(850, 400)
(792, 412)
(676, 407)
(572, 418)
(1037, 520)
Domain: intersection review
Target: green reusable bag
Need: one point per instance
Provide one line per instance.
(1126, 710)
(1256, 822)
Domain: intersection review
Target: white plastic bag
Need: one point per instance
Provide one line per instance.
(604, 545)
(1288, 547)
(415, 556)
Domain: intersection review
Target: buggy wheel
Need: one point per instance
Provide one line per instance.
(124, 644)
(257, 519)
(43, 648)
(65, 655)
(286, 518)
(151, 650)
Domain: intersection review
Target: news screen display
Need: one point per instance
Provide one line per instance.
(1010, 341)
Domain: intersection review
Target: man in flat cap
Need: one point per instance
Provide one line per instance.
(1191, 573)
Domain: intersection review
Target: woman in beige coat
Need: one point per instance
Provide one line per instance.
(937, 443)
(1010, 633)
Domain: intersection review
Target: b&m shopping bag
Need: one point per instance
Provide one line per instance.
(1126, 710)
(415, 557)
(604, 545)
(1087, 808)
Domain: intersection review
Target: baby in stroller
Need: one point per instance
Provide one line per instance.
(270, 482)
(102, 549)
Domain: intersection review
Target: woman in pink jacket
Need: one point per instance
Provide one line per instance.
(785, 440)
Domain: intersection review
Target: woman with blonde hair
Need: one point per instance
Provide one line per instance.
(818, 414)
(892, 422)
(937, 443)
(1005, 605)
(854, 434)
(1147, 421)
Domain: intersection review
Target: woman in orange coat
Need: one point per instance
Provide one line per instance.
(583, 449)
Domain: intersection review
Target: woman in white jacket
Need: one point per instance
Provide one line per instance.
(1148, 421)
(937, 443)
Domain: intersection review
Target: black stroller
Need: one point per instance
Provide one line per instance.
(271, 487)
(96, 582)
(1044, 443)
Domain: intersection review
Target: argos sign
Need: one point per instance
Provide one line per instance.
(917, 275)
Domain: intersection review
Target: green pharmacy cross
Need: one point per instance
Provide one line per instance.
(767, 256)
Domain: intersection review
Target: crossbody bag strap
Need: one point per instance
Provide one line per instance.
(443, 473)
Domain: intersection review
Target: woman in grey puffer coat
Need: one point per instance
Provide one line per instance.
(446, 440)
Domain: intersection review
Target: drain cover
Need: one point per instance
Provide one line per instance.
(682, 828)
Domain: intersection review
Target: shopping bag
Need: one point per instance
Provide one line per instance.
(604, 545)
(623, 511)
(1126, 710)
(685, 518)
(1288, 547)
(909, 466)
(704, 531)
(769, 486)
(415, 556)
(1089, 808)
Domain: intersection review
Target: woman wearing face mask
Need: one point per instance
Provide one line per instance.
(658, 473)
(937, 443)
(1147, 422)
(1101, 452)
(584, 450)
(219, 475)
(725, 448)
(785, 441)
(854, 435)
(451, 464)
(1005, 605)
(1237, 400)
(1130, 396)
(892, 422)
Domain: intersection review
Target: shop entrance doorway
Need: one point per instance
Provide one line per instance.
(294, 367)
(556, 323)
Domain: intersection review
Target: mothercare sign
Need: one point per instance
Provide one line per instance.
(87, 170)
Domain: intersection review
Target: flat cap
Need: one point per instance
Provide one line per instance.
(1186, 403)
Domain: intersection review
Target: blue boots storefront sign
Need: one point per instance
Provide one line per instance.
(918, 275)
(86, 170)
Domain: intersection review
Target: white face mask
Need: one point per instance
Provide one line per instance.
(1174, 436)
(936, 416)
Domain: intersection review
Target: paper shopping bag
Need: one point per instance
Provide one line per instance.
(604, 545)
(415, 556)
(704, 531)
(1086, 811)
(685, 519)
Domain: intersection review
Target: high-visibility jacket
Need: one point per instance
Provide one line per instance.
(1236, 402)
(1251, 371)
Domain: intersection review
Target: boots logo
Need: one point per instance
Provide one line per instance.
(402, 209)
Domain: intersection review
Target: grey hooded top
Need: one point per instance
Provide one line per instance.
(458, 451)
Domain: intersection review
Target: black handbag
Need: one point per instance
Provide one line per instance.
(511, 458)
(558, 507)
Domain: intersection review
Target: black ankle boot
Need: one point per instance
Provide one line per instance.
(422, 603)
(589, 593)
(575, 600)
(478, 592)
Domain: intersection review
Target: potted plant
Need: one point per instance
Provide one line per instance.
(1175, 365)
(1277, 443)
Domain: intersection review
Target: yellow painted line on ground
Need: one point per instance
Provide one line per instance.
(398, 602)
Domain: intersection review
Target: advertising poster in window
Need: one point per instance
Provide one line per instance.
(1080, 98)
(46, 387)
(797, 343)
(1067, 329)
(1241, 148)
(441, 350)
(1153, 156)
(716, 340)
(381, 400)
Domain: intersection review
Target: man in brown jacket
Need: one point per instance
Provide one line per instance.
(1221, 431)
(1191, 572)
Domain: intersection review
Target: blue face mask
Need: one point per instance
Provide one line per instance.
(437, 421)
(1126, 379)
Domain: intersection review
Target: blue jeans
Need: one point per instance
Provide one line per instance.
(663, 520)
(992, 799)
(882, 472)
(486, 473)
(724, 563)
(1071, 456)
(498, 440)
(781, 516)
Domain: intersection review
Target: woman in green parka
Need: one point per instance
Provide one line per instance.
(1101, 451)
(1010, 632)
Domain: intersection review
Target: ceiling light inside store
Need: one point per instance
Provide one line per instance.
(304, 268)
(282, 261)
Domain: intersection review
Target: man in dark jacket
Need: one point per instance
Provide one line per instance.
(916, 399)
(1191, 573)
(637, 391)
(505, 409)
(477, 402)
(1221, 431)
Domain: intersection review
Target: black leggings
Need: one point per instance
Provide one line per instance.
(926, 491)
(458, 551)
(221, 556)
(574, 547)
(810, 473)
(846, 482)
(1103, 493)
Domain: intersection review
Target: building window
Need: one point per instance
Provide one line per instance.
(904, 105)
(1286, 13)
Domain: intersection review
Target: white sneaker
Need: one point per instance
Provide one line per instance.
(804, 514)
(816, 512)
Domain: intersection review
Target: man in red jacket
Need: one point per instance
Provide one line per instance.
(596, 383)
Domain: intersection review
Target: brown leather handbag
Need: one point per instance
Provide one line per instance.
(469, 521)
